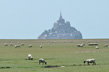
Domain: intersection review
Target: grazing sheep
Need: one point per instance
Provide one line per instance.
(106, 45)
(30, 46)
(90, 61)
(97, 47)
(22, 44)
(30, 57)
(16, 46)
(5, 44)
(80, 45)
(11, 44)
(93, 44)
(40, 46)
(41, 60)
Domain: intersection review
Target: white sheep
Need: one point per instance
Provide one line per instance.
(5, 44)
(40, 46)
(22, 44)
(30, 46)
(106, 45)
(16, 46)
(30, 57)
(90, 61)
(41, 60)
(11, 44)
(93, 44)
(80, 45)
(97, 47)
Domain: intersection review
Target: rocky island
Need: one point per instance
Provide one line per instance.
(61, 30)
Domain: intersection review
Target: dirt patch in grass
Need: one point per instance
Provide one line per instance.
(5, 67)
(51, 66)
(56, 66)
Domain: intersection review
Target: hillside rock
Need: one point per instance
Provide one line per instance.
(61, 30)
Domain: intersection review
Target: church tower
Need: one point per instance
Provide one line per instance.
(60, 16)
(61, 20)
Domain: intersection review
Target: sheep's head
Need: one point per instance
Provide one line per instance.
(45, 63)
(84, 61)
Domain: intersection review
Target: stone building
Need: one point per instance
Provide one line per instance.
(61, 30)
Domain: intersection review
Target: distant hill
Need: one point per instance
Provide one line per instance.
(61, 30)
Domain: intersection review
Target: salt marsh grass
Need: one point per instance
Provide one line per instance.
(56, 53)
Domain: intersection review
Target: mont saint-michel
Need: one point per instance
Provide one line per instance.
(61, 30)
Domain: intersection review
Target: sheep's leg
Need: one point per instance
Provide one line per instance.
(28, 58)
(45, 63)
(94, 63)
(31, 58)
(88, 63)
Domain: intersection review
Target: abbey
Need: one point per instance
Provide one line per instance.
(61, 30)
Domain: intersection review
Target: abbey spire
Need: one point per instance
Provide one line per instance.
(60, 16)
(61, 20)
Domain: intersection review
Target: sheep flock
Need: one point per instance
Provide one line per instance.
(42, 61)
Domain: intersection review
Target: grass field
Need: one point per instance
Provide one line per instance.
(56, 53)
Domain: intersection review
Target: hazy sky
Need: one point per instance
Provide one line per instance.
(27, 19)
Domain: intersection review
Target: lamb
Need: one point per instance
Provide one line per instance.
(41, 60)
(90, 61)
(30, 57)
